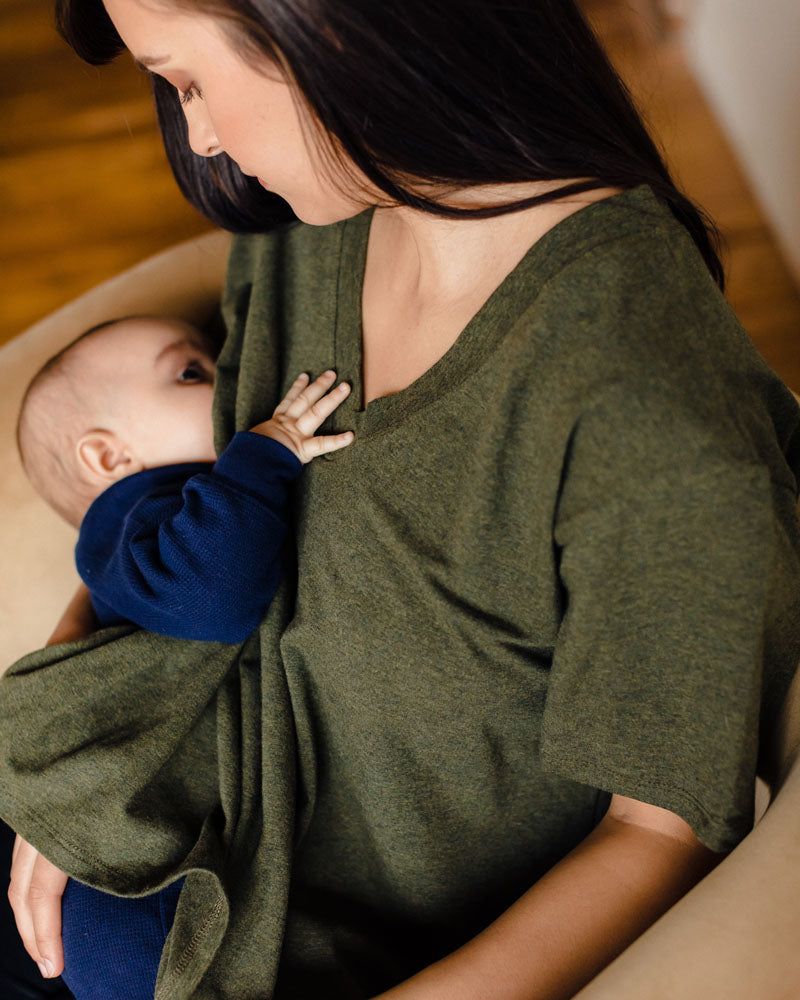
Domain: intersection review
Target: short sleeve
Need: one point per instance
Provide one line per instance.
(678, 556)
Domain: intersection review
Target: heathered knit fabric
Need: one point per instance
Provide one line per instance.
(563, 563)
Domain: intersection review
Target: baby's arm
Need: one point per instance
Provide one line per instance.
(196, 552)
(637, 862)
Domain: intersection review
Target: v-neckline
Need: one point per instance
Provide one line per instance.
(479, 338)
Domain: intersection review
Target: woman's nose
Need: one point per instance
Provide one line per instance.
(202, 135)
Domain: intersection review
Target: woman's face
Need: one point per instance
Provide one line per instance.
(254, 117)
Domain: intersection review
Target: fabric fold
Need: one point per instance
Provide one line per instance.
(133, 759)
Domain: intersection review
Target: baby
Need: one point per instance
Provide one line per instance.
(115, 433)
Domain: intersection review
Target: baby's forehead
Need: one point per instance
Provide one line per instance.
(137, 340)
(140, 329)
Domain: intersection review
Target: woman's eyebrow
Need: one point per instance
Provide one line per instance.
(149, 61)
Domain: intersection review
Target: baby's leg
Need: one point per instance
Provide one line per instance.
(112, 946)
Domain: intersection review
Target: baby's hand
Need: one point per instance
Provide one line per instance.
(301, 412)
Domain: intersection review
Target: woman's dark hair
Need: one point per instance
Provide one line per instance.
(424, 92)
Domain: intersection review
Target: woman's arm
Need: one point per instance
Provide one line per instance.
(637, 862)
(35, 895)
(77, 621)
(36, 886)
(736, 932)
(185, 281)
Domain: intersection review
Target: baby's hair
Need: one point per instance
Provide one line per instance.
(45, 443)
(51, 368)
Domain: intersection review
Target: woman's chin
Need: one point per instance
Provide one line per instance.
(325, 211)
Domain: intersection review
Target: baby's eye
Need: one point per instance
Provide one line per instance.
(194, 372)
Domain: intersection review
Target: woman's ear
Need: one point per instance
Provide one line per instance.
(103, 457)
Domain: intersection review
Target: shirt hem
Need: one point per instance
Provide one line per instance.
(718, 834)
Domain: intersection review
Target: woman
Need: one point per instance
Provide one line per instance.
(547, 596)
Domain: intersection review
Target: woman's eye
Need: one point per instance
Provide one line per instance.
(185, 96)
(194, 372)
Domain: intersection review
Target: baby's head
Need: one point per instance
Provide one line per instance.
(128, 395)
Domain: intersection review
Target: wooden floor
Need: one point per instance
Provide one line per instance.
(86, 190)
(85, 187)
(760, 286)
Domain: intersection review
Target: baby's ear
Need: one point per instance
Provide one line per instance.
(103, 457)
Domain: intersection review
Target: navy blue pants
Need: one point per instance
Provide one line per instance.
(112, 946)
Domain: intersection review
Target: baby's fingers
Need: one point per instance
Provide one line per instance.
(315, 446)
(296, 388)
(317, 411)
(311, 393)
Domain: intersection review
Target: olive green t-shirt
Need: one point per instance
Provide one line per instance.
(563, 563)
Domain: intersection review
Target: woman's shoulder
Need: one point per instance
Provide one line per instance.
(621, 254)
(622, 286)
(625, 318)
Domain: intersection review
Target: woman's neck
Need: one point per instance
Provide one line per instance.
(435, 259)
(427, 276)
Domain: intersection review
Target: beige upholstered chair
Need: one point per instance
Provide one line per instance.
(735, 937)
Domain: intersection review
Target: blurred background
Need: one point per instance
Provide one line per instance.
(86, 190)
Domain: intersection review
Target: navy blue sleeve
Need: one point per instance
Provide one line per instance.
(191, 551)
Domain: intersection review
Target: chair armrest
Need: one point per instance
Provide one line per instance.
(734, 936)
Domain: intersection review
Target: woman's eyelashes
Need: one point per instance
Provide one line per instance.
(185, 96)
